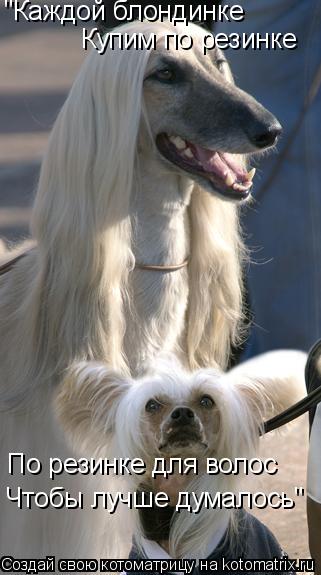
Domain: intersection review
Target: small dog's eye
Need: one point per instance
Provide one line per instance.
(152, 406)
(206, 401)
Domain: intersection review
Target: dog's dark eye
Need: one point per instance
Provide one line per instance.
(152, 406)
(164, 75)
(169, 72)
(206, 401)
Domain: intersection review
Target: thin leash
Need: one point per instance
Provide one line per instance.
(8, 266)
(296, 410)
(308, 403)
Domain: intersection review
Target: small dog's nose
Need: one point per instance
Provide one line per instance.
(182, 415)
(265, 136)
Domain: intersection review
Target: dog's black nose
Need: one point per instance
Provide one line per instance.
(182, 415)
(264, 136)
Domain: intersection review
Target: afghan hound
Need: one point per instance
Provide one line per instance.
(137, 251)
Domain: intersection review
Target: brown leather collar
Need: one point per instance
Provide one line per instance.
(6, 267)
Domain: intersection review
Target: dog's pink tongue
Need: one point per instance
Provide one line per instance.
(220, 164)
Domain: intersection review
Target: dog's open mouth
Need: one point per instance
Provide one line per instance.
(220, 169)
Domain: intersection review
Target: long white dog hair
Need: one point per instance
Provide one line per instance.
(106, 415)
(82, 224)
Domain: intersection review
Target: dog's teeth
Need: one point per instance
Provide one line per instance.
(240, 187)
(178, 142)
(188, 153)
(229, 181)
(251, 174)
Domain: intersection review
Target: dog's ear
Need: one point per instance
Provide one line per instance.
(271, 382)
(86, 404)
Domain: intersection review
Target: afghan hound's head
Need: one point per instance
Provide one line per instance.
(197, 118)
(200, 121)
(180, 110)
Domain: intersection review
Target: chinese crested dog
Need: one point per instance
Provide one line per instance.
(171, 413)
